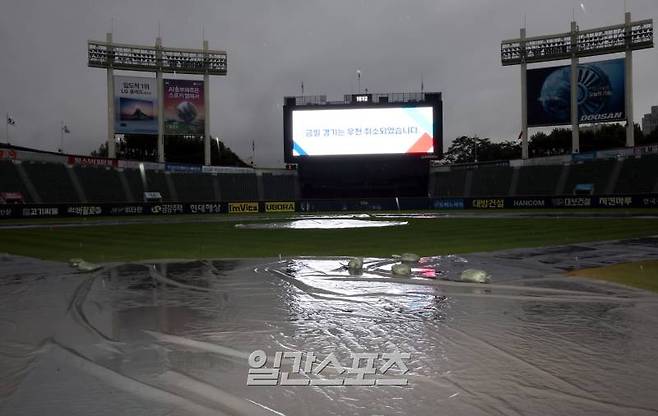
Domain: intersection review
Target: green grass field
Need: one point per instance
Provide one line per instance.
(637, 274)
(103, 243)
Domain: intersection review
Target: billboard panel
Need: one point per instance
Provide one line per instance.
(600, 93)
(363, 131)
(184, 111)
(135, 105)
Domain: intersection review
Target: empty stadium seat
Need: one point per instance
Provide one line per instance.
(101, 184)
(637, 176)
(491, 181)
(193, 187)
(238, 187)
(538, 180)
(278, 187)
(156, 182)
(135, 184)
(451, 183)
(596, 173)
(10, 180)
(52, 182)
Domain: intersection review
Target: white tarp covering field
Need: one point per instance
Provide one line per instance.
(174, 337)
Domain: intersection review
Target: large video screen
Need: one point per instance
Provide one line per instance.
(600, 93)
(363, 131)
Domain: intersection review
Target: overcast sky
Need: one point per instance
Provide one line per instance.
(274, 45)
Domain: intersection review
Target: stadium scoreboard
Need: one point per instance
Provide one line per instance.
(405, 125)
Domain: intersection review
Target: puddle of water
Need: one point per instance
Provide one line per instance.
(320, 224)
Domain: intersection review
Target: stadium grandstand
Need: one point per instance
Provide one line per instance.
(610, 172)
(36, 178)
(50, 178)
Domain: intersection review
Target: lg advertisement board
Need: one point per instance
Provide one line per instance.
(601, 94)
(184, 110)
(357, 130)
(135, 105)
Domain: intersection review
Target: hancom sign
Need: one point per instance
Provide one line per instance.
(279, 207)
(601, 94)
(242, 207)
(135, 105)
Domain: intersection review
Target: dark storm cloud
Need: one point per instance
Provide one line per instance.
(274, 45)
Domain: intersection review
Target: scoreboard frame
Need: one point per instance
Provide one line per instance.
(364, 101)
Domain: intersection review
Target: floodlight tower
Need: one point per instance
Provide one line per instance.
(622, 38)
(113, 56)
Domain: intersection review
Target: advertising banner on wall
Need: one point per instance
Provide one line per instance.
(135, 105)
(601, 94)
(184, 110)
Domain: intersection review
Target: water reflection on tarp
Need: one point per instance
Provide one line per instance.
(320, 224)
(173, 337)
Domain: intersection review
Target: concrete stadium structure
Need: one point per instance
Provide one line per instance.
(44, 178)
(611, 172)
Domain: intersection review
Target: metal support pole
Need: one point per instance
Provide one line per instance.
(160, 82)
(61, 137)
(206, 109)
(111, 144)
(524, 99)
(630, 125)
(575, 133)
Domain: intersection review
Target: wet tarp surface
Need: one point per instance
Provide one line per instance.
(174, 337)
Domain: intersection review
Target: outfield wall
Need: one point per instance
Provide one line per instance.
(320, 205)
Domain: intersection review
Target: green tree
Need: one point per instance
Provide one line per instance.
(178, 149)
(466, 149)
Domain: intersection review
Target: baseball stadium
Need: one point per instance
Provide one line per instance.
(380, 269)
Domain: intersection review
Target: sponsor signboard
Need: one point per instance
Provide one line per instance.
(572, 202)
(179, 167)
(488, 203)
(11, 198)
(184, 108)
(209, 208)
(84, 211)
(529, 203)
(615, 201)
(135, 105)
(601, 93)
(40, 211)
(167, 209)
(448, 203)
(113, 209)
(280, 206)
(127, 210)
(8, 154)
(226, 169)
(242, 207)
(91, 161)
(583, 157)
